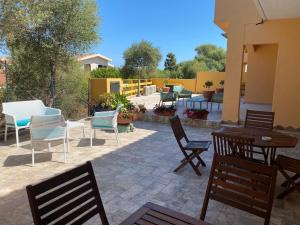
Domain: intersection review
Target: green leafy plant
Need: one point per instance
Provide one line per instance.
(142, 108)
(222, 82)
(208, 84)
(165, 82)
(108, 72)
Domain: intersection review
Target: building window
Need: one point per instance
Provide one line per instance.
(87, 67)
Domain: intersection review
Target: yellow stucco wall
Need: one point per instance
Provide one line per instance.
(262, 60)
(189, 84)
(215, 77)
(194, 85)
(97, 86)
(241, 18)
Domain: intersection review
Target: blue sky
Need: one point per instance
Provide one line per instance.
(176, 26)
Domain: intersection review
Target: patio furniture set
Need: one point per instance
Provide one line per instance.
(47, 124)
(237, 178)
(178, 92)
(242, 176)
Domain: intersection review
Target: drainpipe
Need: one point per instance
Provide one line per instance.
(260, 10)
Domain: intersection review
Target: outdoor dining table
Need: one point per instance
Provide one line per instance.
(277, 139)
(157, 215)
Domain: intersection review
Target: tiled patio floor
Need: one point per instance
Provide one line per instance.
(215, 114)
(135, 172)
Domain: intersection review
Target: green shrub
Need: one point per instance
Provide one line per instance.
(108, 72)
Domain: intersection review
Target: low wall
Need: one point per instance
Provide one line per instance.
(215, 77)
(194, 85)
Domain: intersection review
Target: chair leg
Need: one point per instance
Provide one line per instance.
(83, 133)
(95, 133)
(189, 159)
(117, 134)
(201, 161)
(32, 157)
(65, 151)
(295, 177)
(49, 146)
(17, 138)
(91, 138)
(5, 133)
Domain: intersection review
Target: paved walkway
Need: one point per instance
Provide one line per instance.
(135, 172)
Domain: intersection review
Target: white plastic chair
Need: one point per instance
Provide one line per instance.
(47, 129)
(18, 114)
(105, 121)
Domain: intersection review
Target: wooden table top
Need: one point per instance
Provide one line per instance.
(279, 140)
(154, 214)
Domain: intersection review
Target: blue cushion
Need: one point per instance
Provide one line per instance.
(23, 122)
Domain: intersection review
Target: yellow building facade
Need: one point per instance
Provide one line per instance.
(269, 33)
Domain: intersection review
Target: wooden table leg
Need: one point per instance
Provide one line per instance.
(272, 155)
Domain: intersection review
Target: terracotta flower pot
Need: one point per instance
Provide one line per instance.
(166, 89)
(196, 114)
(165, 112)
(219, 90)
(208, 95)
(123, 119)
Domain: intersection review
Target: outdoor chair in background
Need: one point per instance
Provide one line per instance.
(105, 121)
(241, 184)
(190, 149)
(18, 114)
(48, 129)
(287, 165)
(73, 198)
(236, 146)
(167, 97)
(260, 120)
(181, 92)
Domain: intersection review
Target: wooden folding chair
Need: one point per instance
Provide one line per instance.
(73, 198)
(260, 120)
(242, 184)
(237, 146)
(190, 149)
(285, 164)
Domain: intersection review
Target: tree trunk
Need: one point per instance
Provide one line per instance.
(139, 81)
(52, 84)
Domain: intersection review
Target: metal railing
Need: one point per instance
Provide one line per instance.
(130, 86)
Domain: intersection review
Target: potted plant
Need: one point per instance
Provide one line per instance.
(104, 103)
(196, 114)
(125, 117)
(165, 88)
(208, 93)
(221, 88)
(164, 110)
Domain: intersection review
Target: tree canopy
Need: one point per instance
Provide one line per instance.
(212, 56)
(141, 58)
(170, 62)
(43, 36)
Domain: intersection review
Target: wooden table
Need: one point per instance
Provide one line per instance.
(150, 214)
(279, 140)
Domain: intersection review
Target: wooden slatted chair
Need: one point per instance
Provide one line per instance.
(190, 149)
(73, 198)
(241, 184)
(292, 165)
(260, 120)
(237, 146)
